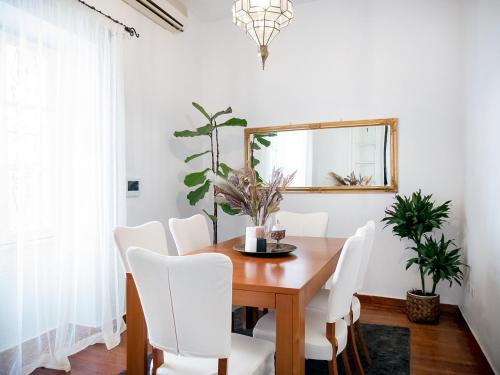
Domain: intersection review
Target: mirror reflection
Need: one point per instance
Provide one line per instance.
(328, 156)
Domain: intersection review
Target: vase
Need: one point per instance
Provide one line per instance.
(422, 309)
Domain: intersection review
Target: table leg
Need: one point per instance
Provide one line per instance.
(290, 333)
(137, 338)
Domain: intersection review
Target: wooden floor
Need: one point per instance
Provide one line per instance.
(446, 348)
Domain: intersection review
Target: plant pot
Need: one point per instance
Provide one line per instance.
(420, 308)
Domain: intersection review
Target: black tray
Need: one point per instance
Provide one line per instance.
(273, 250)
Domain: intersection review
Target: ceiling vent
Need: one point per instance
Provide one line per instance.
(170, 15)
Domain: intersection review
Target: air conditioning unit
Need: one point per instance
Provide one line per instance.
(171, 14)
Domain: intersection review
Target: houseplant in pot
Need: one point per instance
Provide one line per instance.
(415, 218)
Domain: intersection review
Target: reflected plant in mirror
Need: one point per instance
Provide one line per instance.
(257, 143)
(335, 156)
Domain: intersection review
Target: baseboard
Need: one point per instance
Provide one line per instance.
(400, 304)
(478, 342)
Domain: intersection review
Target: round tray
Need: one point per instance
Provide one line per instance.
(271, 251)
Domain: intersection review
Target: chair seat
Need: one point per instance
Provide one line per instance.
(317, 345)
(320, 303)
(249, 356)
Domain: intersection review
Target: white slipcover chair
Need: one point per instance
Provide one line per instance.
(326, 332)
(320, 301)
(150, 236)
(190, 234)
(187, 306)
(308, 225)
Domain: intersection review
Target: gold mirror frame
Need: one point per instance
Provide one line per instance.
(391, 122)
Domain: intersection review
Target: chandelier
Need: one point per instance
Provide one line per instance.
(262, 20)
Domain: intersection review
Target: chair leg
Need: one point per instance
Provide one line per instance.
(251, 316)
(351, 340)
(157, 360)
(222, 370)
(332, 367)
(362, 342)
(330, 335)
(345, 360)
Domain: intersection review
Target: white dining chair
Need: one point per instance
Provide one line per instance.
(150, 236)
(320, 301)
(187, 306)
(307, 225)
(189, 234)
(326, 332)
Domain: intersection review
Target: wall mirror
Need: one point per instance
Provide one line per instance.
(329, 157)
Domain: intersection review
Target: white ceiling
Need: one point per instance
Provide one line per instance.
(211, 10)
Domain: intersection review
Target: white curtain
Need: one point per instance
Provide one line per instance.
(62, 187)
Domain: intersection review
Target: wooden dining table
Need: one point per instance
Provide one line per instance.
(285, 284)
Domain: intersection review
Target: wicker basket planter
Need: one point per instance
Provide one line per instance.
(422, 309)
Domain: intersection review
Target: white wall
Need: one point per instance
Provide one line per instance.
(162, 77)
(481, 306)
(356, 60)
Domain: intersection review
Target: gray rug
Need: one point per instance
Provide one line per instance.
(389, 349)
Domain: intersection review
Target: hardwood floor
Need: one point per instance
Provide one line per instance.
(446, 348)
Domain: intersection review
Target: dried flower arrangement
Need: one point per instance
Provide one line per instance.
(350, 180)
(243, 193)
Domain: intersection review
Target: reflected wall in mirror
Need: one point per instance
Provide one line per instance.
(328, 157)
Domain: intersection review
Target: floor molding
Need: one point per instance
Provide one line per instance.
(400, 304)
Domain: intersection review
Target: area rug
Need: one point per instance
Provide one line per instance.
(389, 349)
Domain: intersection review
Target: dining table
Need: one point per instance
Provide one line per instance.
(285, 284)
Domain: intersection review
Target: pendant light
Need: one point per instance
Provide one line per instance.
(262, 20)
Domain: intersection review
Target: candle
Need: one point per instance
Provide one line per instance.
(251, 244)
(259, 232)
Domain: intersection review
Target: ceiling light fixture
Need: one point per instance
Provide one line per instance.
(262, 20)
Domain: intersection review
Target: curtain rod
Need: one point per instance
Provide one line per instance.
(128, 29)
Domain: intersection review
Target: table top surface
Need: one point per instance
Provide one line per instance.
(286, 274)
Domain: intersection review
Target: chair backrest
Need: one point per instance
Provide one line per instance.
(308, 225)
(189, 234)
(150, 236)
(369, 233)
(186, 301)
(344, 279)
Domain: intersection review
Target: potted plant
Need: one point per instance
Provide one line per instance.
(415, 218)
(199, 181)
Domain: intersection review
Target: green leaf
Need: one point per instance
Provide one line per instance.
(234, 122)
(264, 142)
(228, 210)
(255, 162)
(202, 110)
(205, 130)
(224, 170)
(196, 195)
(255, 146)
(194, 156)
(186, 133)
(196, 178)
(213, 218)
(224, 112)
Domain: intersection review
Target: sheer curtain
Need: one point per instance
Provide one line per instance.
(62, 187)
